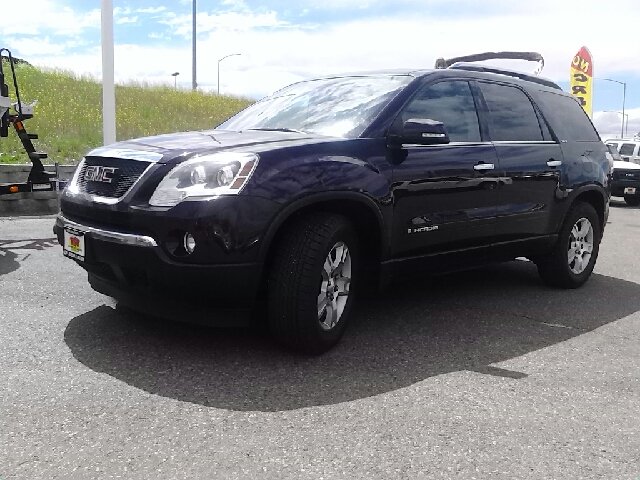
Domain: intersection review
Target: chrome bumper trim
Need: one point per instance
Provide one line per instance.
(107, 235)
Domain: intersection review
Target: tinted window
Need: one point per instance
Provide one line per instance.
(450, 103)
(567, 118)
(627, 149)
(511, 115)
(614, 152)
(613, 144)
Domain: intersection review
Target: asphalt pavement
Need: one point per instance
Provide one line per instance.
(486, 374)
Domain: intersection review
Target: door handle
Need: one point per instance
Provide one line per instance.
(483, 166)
(554, 163)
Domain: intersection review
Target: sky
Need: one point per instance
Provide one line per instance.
(285, 41)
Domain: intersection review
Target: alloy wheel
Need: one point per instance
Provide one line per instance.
(335, 286)
(580, 246)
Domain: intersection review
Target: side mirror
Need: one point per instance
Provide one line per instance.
(422, 131)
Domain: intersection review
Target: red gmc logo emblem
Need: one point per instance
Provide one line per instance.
(99, 174)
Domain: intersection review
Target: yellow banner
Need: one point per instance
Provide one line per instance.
(582, 79)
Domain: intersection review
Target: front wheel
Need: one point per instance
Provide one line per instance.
(570, 263)
(632, 200)
(311, 283)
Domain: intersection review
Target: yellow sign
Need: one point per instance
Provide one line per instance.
(582, 79)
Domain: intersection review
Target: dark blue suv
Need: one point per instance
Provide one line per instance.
(301, 202)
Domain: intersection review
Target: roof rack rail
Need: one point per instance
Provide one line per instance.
(522, 76)
(457, 62)
(480, 57)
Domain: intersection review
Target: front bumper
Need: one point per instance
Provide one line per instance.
(618, 187)
(134, 270)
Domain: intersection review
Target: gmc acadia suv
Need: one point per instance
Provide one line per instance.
(303, 200)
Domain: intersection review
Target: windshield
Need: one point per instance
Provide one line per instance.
(339, 107)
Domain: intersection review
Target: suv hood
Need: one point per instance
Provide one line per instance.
(625, 165)
(177, 147)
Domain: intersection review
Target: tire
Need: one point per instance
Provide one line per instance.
(632, 201)
(562, 267)
(299, 277)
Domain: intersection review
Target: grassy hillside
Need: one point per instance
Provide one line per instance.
(68, 116)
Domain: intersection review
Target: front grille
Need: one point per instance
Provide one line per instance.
(122, 178)
(621, 174)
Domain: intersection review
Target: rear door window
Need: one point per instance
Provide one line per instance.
(511, 114)
(450, 102)
(627, 148)
(567, 118)
(613, 144)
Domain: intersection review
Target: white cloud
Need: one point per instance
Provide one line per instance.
(275, 53)
(124, 20)
(121, 11)
(227, 21)
(44, 16)
(151, 10)
(609, 124)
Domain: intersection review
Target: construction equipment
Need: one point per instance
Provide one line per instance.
(39, 179)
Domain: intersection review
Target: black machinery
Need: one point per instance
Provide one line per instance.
(14, 114)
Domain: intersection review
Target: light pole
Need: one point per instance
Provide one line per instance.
(624, 97)
(175, 80)
(624, 116)
(226, 56)
(108, 82)
(194, 83)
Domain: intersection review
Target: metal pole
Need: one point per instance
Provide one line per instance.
(194, 83)
(108, 82)
(624, 97)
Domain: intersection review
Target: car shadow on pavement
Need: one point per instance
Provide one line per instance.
(619, 202)
(415, 330)
(10, 260)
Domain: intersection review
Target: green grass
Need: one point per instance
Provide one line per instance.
(68, 116)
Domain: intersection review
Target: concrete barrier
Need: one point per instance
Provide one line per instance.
(30, 203)
(17, 173)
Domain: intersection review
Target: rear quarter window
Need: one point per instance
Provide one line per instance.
(567, 118)
(627, 148)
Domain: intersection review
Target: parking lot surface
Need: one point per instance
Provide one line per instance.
(486, 374)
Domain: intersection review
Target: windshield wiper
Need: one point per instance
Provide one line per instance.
(292, 130)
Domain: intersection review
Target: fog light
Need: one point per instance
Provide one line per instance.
(189, 243)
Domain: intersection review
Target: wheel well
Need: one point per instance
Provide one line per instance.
(596, 200)
(364, 221)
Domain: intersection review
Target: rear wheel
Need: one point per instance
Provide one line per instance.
(311, 283)
(632, 200)
(570, 263)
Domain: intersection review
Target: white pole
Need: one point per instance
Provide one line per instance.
(194, 83)
(108, 83)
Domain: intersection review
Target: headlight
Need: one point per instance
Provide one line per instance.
(207, 176)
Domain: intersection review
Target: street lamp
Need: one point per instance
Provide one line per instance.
(624, 115)
(227, 56)
(175, 80)
(624, 96)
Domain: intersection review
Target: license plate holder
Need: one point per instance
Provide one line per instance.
(74, 244)
(630, 190)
